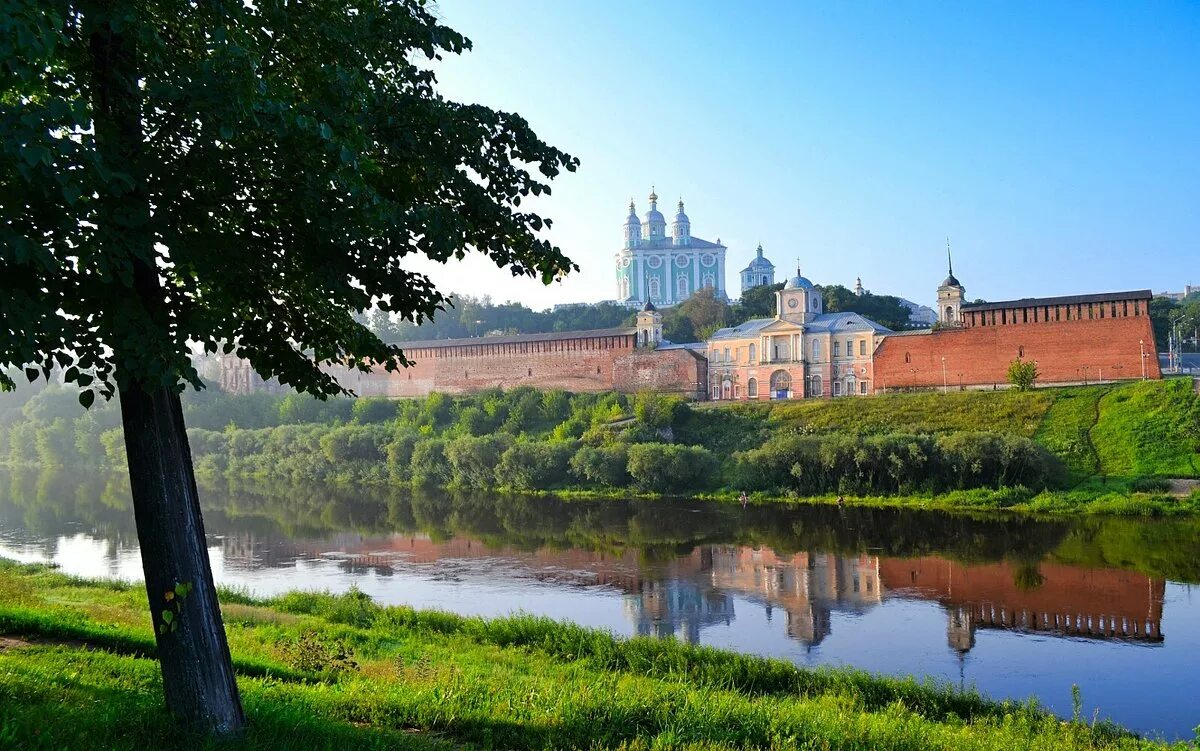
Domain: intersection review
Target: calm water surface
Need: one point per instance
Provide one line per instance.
(1014, 607)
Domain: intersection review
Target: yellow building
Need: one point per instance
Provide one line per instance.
(801, 352)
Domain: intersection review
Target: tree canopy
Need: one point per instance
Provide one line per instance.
(285, 160)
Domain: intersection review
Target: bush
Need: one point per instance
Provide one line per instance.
(429, 464)
(1022, 374)
(535, 465)
(399, 453)
(602, 465)
(355, 443)
(473, 460)
(372, 410)
(669, 468)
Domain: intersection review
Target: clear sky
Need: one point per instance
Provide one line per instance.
(1056, 144)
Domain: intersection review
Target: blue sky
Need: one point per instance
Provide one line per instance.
(1056, 144)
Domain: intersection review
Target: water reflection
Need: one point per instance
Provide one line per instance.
(1013, 605)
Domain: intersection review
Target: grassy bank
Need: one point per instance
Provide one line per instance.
(319, 671)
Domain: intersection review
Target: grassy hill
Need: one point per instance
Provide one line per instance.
(1129, 430)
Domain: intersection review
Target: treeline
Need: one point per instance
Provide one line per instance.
(526, 439)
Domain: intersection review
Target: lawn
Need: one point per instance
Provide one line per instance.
(326, 672)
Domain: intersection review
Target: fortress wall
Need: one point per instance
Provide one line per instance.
(980, 355)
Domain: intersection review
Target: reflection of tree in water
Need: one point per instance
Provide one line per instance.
(1028, 577)
(60, 503)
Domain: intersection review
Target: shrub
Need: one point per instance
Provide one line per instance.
(669, 468)
(473, 459)
(354, 443)
(534, 465)
(658, 411)
(399, 453)
(429, 464)
(602, 465)
(372, 410)
(1022, 374)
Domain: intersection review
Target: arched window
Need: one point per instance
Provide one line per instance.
(708, 280)
(681, 288)
(816, 350)
(781, 384)
(726, 389)
(907, 357)
(949, 314)
(816, 388)
(850, 387)
(654, 291)
(752, 386)
(753, 354)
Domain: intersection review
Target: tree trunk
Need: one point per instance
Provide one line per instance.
(197, 672)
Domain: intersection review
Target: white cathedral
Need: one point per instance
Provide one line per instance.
(653, 267)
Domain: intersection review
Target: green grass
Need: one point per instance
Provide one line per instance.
(957, 411)
(1149, 429)
(426, 680)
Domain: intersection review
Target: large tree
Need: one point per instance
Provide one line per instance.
(242, 177)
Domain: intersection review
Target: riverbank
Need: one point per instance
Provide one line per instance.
(1111, 449)
(322, 671)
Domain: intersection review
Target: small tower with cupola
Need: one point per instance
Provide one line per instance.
(681, 228)
(633, 227)
(950, 295)
(649, 326)
(799, 301)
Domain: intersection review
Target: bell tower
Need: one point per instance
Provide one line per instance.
(950, 295)
(649, 326)
(799, 301)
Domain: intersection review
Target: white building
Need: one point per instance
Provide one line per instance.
(654, 267)
(758, 273)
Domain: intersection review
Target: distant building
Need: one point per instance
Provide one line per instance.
(1188, 290)
(918, 315)
(758, 273)
(652, 267)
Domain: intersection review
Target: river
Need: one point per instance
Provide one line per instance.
(1013, 606)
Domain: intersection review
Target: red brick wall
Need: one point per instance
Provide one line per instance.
(980, 355)
(677, 371)
(581, 365)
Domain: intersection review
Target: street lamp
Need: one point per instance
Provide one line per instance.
(945, 385)
(1142, 345)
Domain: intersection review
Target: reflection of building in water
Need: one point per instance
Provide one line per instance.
(684, 594)
(677, 607)
(808, 586)
(1050, 598)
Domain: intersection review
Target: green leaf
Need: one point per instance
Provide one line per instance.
(167, 616)
(86, 398)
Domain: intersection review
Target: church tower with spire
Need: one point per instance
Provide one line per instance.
(951, 295)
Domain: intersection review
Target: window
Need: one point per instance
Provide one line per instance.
(681, 288)
(849, 348)
(752, 388)
(708, 280)
(837, 350)
(862, 347)
(907, 357)
(727, 354)
(781, 384)
(837, 388)
(654, 288)
(753, 352)
(816, 388)
(862, 387)
(1020, 351)
(816, 350)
